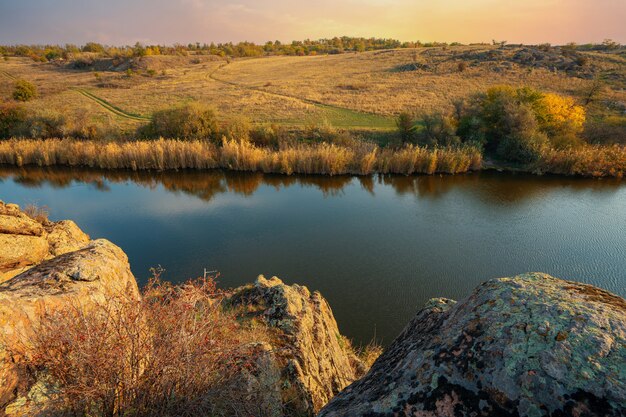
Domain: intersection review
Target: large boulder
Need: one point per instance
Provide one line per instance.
(25, 241)
(22, 240)
(531, 345)
(85, 277)
(314, 360)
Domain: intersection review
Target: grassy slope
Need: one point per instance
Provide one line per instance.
(355, 91)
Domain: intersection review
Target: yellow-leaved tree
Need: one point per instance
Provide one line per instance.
(559, 116)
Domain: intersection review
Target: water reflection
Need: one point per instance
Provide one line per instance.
(501, 188)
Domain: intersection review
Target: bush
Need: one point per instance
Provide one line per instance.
(523, 142)
(189, 121)
(438, 129)
(266, 136)
(174, 352)
(518, 123)
(238, 128)
(46, 124)
(406, 127)
(12, 118)
(24, 90)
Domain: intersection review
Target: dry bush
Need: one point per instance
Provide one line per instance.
(189, 121)
(175, 352)
(588, 161)
(37, 213)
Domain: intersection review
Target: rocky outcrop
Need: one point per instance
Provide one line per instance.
(25, 242)
(68, 270)
(314, 360)
(531, 345)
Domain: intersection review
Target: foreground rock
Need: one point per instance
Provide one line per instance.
(314, 361)
(25, 241)
(531, 345)
(59, 267)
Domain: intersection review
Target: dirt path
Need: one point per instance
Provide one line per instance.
(8, 75)
(110, 107)
(361, 119)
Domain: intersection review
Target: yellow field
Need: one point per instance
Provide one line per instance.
(354, 91)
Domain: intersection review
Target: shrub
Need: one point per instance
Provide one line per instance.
(238, 128)
(266, 136)
(522, 142)
(462, 66)
(24, 90)
(12, 118)
(189, 121)
(46, 124)
(518, 123)
(37, 213)
(174, 352)
(406, 127)
(438, 129)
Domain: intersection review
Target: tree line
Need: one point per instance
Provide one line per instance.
(336, 45)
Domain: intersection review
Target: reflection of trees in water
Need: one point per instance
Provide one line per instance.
(202, 184)
(489, 187)
(494, 187)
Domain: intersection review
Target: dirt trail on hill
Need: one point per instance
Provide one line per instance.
(110, 107)
(319, 104)
(8, 75)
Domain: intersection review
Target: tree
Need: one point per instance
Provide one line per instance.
(93, 47)
(559, 116)
(24, 90)
(406, 127)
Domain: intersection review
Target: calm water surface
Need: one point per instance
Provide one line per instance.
(377, 248)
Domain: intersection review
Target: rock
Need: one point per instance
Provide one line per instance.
(87, 276)
(316, 362)
(25, 242)
(531, 345)
(18, 251)
(22, 239)
(65, 236)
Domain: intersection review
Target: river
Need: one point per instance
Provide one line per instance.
(376, 247)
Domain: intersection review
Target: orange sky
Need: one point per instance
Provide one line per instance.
(169, 21)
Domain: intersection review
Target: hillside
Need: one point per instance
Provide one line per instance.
(353, 90)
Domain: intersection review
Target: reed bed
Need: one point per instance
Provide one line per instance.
(588, 161)
(163, 154)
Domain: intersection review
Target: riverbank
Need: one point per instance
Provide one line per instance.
(314, 158)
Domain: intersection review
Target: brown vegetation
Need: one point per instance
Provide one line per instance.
(175, 352)
(590, 161)
(315, 158)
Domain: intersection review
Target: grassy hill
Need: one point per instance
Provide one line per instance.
(355, 91)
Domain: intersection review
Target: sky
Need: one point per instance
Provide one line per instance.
(122, 22)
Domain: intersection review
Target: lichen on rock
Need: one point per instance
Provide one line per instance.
(307, 347)
(531, 345)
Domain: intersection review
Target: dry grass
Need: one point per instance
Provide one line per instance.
(316, 158)
(175, 352)
(588, 161)
(288, 90)
(37, 213)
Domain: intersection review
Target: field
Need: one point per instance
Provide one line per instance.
(353, 91)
